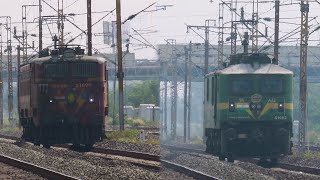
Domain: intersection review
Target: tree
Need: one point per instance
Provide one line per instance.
(146, 92)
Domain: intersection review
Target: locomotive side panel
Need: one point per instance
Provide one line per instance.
(25, 94)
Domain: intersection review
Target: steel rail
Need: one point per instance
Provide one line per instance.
(44, 172)
(290, 167)
(131, 154)
(186, 170)
(305, 169)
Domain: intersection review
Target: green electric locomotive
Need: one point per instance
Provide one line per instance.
(248, 109)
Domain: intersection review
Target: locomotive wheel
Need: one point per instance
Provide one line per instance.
(88, 147)
(47, 145)
(230, 159)
(221, 158)
(274, 161)
(76, 147)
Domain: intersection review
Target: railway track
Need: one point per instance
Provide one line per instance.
(153, 161)
(187, 171)
(44, 172)
(285, 166)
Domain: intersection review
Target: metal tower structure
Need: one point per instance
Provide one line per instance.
(255, 19)
(60, 22)
(164, 66)
(220, 36)
(40, 25)
(233, 34)
(304, 8)
(24, 34)
(174, 89)
(1, 80)
(276, 29)
(10, 81)
(189, 92)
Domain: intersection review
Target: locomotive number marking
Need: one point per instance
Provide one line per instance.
(83, 85)
(59, 85)
(241, 99)
(272, 100)
(280, 117)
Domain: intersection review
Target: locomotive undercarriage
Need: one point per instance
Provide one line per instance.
(60, 134)
(250, 140)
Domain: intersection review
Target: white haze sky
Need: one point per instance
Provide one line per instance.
(165, 24)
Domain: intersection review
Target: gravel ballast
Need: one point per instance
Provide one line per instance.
(12, 173)
(77, 164)
(224, 170)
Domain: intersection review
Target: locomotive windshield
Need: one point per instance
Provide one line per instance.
(242, 86)
(84, 70)
(78, 70)
(54, 70)
(271, 86)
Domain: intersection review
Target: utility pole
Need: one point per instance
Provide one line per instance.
(120, 72)
(174, 89)
(220, 37)
(24, 34)
(60, 23)
(89, 26)
(185, 94)
(276, 36)
(10, 81)
(276, 29)
(164, 66)
(206, 50)
(40, 26)
(255, 18)
(206, 43)
(303, 122)
(18, 82)
(189, 92)
(233, 34)
(1, 80)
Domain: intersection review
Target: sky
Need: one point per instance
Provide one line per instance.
(158, 25)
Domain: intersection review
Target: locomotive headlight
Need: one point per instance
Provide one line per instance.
(231, 106)
(51, 101)
(280, 107)
(91, 98)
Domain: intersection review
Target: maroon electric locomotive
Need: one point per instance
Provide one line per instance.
(63, 98)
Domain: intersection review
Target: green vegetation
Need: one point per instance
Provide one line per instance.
(9, 130)
(133, 122)
(196, 140)
(146, 92)
(131, 136)
(311, 155)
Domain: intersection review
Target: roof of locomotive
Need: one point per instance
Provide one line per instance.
(65, 54)
(252, 63)
(255, 68)
(60, 58)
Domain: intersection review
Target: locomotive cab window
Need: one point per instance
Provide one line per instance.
(55, 70)
(241, 86)
(271, 86)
